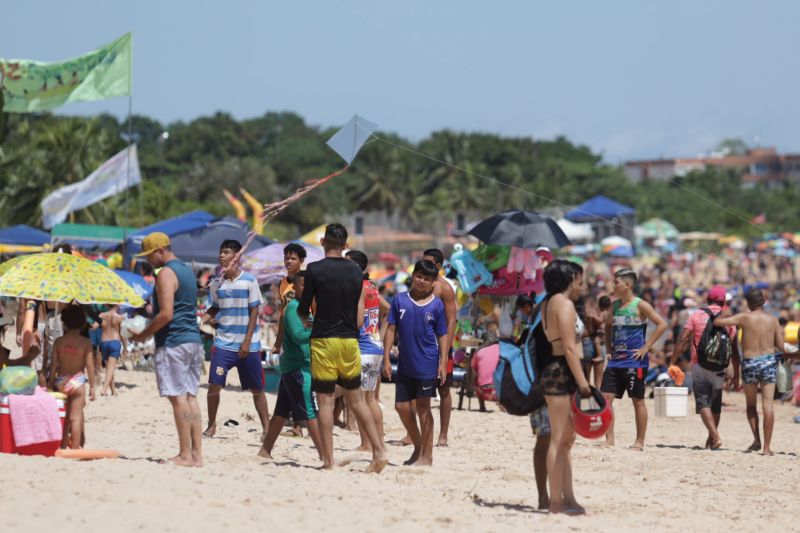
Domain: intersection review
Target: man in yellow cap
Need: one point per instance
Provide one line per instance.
(179, 350)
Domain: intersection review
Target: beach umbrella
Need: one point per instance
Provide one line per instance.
(617, 246)
(523, 229)
(266, 263)
(65, 278)
(660, 228)
(136, 282)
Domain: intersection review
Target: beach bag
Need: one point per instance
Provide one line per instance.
(471, 273)
(515, 382)
(715, 348)
(18, 380)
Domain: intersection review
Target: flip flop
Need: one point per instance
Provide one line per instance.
(230, 423)
(207, 436)
(636, 448)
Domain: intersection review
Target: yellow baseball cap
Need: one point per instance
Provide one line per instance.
(153, 242)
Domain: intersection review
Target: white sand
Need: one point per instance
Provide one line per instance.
(483, 482)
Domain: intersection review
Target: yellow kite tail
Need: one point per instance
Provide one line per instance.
(257, 207)
(241, 211)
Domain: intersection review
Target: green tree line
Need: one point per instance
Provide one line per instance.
(188, 166)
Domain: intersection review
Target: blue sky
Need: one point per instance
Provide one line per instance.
(632, 79)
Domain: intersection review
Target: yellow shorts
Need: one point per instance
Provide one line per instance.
(335, 361)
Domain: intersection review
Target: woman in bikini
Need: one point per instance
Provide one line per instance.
(561, 376)
(71, 369)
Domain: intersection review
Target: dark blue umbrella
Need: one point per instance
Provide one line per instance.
(523, 229)
(137, 283)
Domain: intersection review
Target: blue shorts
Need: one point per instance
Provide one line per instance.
(295, 398)
(95, 335)
(250, 374)
(761, 369)
(408, 388)
(110, 349)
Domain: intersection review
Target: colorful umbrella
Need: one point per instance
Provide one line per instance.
(65, 278)
(660, 228)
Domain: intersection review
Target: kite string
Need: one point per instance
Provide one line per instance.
(513, 96)
(504, 184)
(497, 181)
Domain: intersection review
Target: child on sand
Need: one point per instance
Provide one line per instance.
(111, 346)
(418, 319)
(295, 398)
(71, 369)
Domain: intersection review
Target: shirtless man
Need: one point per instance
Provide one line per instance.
(112, 346)
(443, 290)
(762, 340)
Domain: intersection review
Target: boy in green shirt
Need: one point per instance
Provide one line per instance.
(294, 393)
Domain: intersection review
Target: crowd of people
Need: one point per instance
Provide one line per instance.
(339, 333)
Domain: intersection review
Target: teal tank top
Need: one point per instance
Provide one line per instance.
(183, 327)
(628, 335)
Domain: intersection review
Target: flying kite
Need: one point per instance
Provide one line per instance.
(346, 142)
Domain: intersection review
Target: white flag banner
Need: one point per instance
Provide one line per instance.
(113, 177)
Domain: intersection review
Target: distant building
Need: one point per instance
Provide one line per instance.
(758, 166)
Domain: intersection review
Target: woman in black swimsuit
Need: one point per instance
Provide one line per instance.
(561, 376)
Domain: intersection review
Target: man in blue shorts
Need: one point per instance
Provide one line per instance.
(235, 299)
(295, 398)
(418, 319)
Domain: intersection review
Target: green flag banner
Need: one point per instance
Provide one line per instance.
(30, 86)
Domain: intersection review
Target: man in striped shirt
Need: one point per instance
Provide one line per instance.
(235, 299)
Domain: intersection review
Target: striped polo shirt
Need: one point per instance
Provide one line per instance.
(235, 298)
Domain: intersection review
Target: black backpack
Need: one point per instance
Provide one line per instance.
(715, 349)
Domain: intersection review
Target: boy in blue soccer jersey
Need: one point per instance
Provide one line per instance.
(235, 299)
(418, 320)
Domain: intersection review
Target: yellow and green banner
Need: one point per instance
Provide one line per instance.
(30, 86)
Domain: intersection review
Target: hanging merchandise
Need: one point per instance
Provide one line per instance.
(471, 273)
(524, 261)
(507, 283)
(493, 256)
(505, 325)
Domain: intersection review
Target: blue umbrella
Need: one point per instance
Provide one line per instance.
(137, 283)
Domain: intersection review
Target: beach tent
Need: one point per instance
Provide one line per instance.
(200, 246)
(606, 216)
(89, 236)
(172, 226)
(21, 239)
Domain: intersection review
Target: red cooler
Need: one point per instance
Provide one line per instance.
(7, 444)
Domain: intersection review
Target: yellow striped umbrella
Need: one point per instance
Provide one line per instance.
(64, 278)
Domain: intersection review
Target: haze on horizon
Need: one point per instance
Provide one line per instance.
(630, 79)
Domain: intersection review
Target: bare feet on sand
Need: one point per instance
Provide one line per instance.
(378, 464)
(544, 503)
(210, 431)
(264, 453)
(569, 509)
(767, 452)
(180, 461)
(755, 446)
(413, 459)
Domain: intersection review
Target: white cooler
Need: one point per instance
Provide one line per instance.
(671, 401)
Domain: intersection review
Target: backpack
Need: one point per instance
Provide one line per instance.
(515, 382)
(715, 348)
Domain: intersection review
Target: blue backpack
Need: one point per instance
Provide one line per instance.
(514, 378)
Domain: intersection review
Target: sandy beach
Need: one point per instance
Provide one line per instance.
(482, 482)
